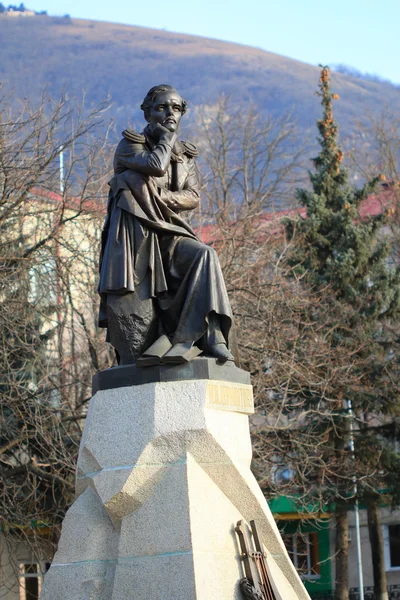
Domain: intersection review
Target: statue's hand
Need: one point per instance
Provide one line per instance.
(169, 201)
(179, 201)
(157, 130)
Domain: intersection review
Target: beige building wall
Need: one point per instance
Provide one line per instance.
(76, 249)
(389, 517)
(13, 557)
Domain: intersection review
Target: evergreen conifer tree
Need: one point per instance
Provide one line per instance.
(339, 247)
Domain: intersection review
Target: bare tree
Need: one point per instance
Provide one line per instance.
(49, 344)
(293, 338)
(298, 341)
(248, 161)
(377, 150)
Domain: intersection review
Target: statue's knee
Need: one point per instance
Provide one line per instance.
(208, 251)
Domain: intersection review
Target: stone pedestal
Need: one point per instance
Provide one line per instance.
(163, 476)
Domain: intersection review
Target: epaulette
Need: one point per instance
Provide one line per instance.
(189, 149)
(132, 136)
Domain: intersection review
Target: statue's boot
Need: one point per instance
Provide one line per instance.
(220, 351)
(215, 341)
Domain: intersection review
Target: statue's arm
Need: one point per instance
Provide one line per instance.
(136, 157)
(189, 197)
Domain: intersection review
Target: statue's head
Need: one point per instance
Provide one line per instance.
(164, 105)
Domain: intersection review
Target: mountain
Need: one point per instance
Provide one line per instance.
(125, 61)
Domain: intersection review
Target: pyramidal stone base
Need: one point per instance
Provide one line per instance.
(163, 476)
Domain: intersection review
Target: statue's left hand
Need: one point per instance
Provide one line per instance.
(169, 201)
(183, 200)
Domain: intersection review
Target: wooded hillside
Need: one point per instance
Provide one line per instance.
(125, 61)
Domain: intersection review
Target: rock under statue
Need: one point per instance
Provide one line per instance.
(163, 297)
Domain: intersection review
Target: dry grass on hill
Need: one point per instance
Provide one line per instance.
(126, 61)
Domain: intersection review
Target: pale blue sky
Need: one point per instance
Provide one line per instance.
(364, 34)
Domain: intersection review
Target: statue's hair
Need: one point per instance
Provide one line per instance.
(152, 94)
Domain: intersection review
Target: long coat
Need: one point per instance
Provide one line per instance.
(141, 234)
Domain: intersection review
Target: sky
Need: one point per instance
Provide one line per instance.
(364, 34)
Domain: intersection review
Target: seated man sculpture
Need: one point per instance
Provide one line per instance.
(163, 297)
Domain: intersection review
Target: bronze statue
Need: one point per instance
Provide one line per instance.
(163, 297)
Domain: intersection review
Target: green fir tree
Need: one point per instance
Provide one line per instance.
(339, 247)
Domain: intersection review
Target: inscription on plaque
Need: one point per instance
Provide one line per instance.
(224, 395)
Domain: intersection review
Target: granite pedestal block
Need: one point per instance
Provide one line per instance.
(163, 477)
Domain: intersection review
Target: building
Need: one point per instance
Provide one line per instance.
(10, 12)
(310, 539)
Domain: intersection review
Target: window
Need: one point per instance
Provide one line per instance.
(30, 580)
(304, 553)
(391, 537)
(43, 280)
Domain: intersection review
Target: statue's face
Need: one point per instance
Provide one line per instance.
(166, 110)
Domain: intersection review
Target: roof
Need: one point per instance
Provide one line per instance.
(271, 222)
(265, 223)
(87, 205)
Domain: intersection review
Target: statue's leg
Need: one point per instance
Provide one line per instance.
(132, 323)
(199, 309)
